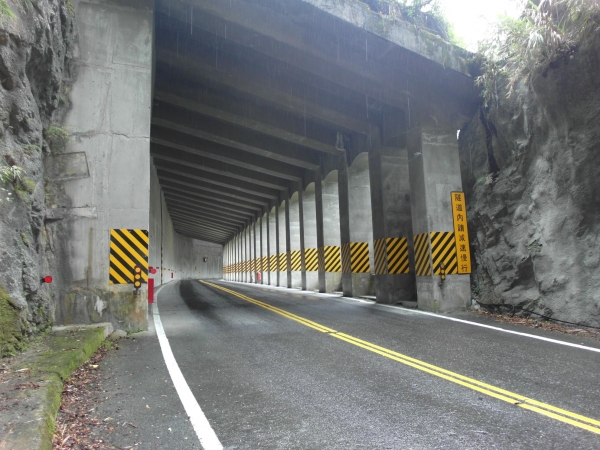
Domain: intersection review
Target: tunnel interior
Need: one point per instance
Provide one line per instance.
(270, 122)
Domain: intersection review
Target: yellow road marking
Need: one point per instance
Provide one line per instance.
(521, 401)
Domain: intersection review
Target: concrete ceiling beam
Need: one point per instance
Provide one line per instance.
(201, 214)
(383, 70)
(181, 218)
(190, 203)
(200, 233)
(173, 185)
(215, 180)
(245, 122)
(225, 170)
(244, 209)
(261, 90)
(200, 226)
(185, 208)
(189, 145)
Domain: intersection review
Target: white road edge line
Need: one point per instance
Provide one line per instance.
(438, 316)
(475, 324)
(206, 435)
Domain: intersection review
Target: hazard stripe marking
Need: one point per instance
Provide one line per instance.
(397, 255)
(296, 260)
(359, 257)
(331, 259)
(128, 248)
(443, 250)
(311, 259)
(422, 255)
(346, 261)
(380, 257)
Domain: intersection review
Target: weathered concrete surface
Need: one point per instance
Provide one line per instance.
(283, 243)
(310, 232)
(331, 225)
(399, 32)
(434, 173)
(361, 222)
(295, 237)
(110, 122)
(29, 421)
(397, 220)
(273, 244)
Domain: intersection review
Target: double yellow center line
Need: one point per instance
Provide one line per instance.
(521, 401)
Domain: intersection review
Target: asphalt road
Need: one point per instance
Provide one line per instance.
(268, 380)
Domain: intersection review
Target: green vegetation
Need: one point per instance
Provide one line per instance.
(426, 14)
(9, 175)
(57, 137)
(538, 40)
(12, 340)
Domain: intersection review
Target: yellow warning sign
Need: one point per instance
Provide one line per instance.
(128, 251)
(459, 213)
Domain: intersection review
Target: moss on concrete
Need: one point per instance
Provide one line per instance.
(12, 338)
(50, 362)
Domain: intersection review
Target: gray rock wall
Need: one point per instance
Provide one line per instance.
(35, 48)
(535, 229)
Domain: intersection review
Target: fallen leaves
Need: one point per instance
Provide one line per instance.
(76, 425)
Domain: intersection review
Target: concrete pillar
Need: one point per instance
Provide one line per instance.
(344, 202)
(282, 246)
(331, 233)
(273, 245)
(392, 225)
(310, 238)
(267, 269)
(296, 240)
(356, 227)
(261, 253)
(108, 161)
(434, 169)
(265, 247)
(288, 243)
(254, 252)
(319, 230)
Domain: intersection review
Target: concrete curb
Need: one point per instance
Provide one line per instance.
(33, 384)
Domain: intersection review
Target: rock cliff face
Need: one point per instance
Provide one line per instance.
(34, 52)
(535, 223)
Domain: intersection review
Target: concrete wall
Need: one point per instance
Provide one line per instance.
(109, 123)
(180, 257)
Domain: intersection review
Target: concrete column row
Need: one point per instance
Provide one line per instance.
(354, 230)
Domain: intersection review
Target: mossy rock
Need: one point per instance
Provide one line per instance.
(12, 338)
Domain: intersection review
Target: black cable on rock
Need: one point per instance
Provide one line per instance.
(520, 308)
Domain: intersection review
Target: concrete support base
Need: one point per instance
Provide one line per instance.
(453, 294)
(312, 281)
(333, 282)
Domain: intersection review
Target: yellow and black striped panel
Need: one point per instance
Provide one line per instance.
(311, 259)
(346, 260)
(422, 256)
(397, 255)
(128, 248)
(380, 257)
(296, 261)
(273, 263)
(283, 262)
(443, 250)
(331, 259)
(359, 257)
